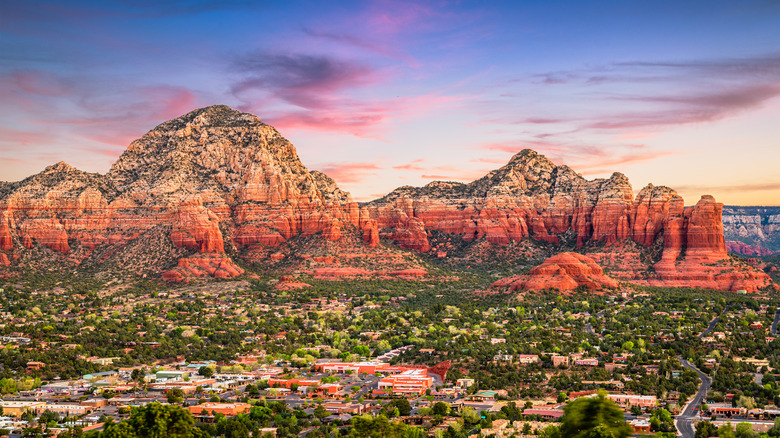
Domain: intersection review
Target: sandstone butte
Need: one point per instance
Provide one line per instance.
(564, 272)
(217, 181)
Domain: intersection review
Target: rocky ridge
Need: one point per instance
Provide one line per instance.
(752, 231)
(200, 194)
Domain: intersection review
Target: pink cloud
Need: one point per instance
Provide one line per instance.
(345, 173)
(358, 118)
(106, 123)
(413, 165)
(618, 161)
(39, 83)
(14, 138)
(730, 188)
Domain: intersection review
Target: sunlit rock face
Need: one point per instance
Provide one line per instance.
(199, 191)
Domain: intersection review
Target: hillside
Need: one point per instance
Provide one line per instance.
(218, 193)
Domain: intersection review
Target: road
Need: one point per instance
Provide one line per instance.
(714, 322)
(774, 323)
(684, 422)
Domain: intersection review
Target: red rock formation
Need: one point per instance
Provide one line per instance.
(203, 265)
(734, 246)
(217, 179)
(565, 272)
(287, 283)
(4, 260)
(197, 228)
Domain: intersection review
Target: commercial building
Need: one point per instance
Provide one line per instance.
(17, 408)
(408, 382)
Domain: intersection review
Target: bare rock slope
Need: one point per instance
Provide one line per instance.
(199, 195)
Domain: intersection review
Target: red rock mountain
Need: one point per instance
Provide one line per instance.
(200, 194)
(566, 271)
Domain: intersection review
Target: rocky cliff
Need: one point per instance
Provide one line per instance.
(215, 188)
(532, 198)
(752, 231)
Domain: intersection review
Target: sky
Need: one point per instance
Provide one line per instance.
(380, 94)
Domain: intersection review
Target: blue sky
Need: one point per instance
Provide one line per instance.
(380, 94)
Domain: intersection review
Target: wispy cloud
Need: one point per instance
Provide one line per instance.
(306, 81)
(346, 173)
(736, 188)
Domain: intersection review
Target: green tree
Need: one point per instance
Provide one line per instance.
(118, 430)
(594, 416)
(48, 417)
(404, 408)
(726, 431)
(366, 426)
(160, 421)
(470, 415)
(320, 412)
(440, 408)
(206, 372)
(745, 430)
(175, 395)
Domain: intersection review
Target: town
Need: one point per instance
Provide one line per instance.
(275, 358)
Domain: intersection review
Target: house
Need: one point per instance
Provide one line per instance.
(485, 395)
(464, 383)
(643, 401)
(527, 358)
(640, 425)
(545, 413)
(226, 409)
(35, 366)
(344, 408)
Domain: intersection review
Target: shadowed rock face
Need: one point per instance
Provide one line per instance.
(217, 181)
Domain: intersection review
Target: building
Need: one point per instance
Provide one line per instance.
(626, 400)
(587, 362)
(464, 383)
(227, 409)
(415, 381)
(108, 376)
(560, 360)
(35, 366)
(290, 383)
(69, 410)
(527, 358)
(328, 388)
(344, 408)
(17, 408)
(171, 375)
(614, 366)
(640, 425)
(485, 395)
(546, 413)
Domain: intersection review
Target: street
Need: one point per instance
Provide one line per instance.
(684, 422)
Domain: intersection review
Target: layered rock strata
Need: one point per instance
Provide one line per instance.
(219, 183)
(564, 272)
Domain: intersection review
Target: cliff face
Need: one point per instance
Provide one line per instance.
(752, 231)
(197, 191)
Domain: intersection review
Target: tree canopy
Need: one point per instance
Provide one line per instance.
(596, 416)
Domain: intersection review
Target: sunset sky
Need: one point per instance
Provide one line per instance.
(379, 94)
